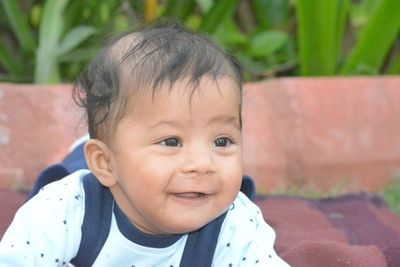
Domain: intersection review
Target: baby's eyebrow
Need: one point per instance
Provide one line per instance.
(172, 123)
(226, 119)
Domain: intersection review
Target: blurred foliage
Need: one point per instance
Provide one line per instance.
(391, 194)
(48, 41)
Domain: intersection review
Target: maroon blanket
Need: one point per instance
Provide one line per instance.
(353, 230)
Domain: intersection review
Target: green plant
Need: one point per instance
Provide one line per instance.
(18, 24)
(50, 40)
(332, 37)
(47, 41)
(53, 42)
(257, 32)
(375, 40)
(321, 31)
(391, 194)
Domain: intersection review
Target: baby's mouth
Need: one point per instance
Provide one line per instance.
(190, 195)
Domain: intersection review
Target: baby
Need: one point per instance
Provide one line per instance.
(165, 166)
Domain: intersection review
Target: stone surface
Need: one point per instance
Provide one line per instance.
(302, 132)
(322, 132)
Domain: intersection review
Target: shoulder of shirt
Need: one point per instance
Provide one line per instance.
(244, 233)
(245, 216)
(51, 219)
(59, 203)
(72, 180)
(243, 204)
(63, 191)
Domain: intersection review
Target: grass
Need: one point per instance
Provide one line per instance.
(391, 194)
(300, 188)
(311, 192)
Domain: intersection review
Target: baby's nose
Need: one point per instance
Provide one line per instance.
(199, 159)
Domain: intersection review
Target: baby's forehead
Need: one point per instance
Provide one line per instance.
(186, 87)
(184, 99)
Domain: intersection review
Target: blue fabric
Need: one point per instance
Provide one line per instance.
(51, 174)
(135, 235)
(248, 187)
(75, 160)
(96, 222)
(200, 245)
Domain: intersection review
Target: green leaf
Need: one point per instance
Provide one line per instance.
(221, 10)
(73, 15)
(34, 15)
(375, 40)
(193, 22)
(205, 5)
(51, 29)
(180, 9)
(78, 55)
(317, 36)
(361, 11)
(7, 61)
(271, 14)
(19, 25)
(229, 35)
(74, 38)
(266, 43)
(394, 65)
(121, 23)
(343, 12)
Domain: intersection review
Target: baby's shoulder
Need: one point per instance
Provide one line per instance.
(245, 220)
(245, 238)
(244, 210)
(48, 226)
(65, 186)
(66, 193)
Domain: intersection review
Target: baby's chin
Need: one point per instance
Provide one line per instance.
(188, 226)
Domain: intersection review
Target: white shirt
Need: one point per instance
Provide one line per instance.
(46, 231)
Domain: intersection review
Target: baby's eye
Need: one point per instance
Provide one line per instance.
(171, 141)
(222, 142)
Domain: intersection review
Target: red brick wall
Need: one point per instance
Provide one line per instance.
(297, 131)
(323, 132)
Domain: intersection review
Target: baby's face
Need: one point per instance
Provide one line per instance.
(178, 157)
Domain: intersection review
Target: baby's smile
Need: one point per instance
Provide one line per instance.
(190, 195)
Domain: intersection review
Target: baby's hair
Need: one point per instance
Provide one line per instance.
(144, 60)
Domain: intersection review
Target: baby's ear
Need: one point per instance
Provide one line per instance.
(99, 159)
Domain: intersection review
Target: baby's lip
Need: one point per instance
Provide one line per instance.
(190, 195)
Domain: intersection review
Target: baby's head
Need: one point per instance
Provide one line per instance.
(163, 107)
(139, 63)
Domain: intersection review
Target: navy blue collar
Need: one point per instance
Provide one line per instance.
(136, 236)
